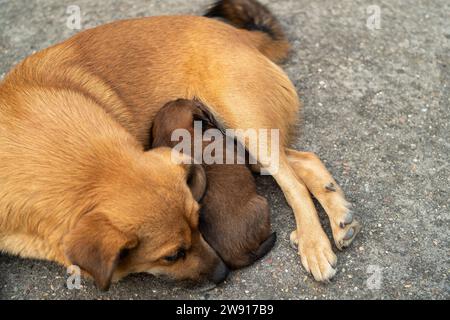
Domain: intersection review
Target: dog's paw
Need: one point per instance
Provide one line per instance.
(343, 224)
(316, 255)
(345, 228)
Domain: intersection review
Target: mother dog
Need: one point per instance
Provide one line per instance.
(78, 187)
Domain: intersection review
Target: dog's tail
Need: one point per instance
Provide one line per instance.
(264, 29)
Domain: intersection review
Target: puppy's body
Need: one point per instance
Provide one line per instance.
(234, 219)
(122, 73)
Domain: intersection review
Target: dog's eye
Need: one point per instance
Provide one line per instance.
(180, 254)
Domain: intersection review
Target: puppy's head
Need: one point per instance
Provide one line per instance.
(179, 114)
(146, 220)
(238, 230)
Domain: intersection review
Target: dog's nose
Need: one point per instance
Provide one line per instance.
(220, 273)
(266, 246)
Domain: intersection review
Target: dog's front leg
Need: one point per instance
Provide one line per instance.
(321, 184)
(314, 247)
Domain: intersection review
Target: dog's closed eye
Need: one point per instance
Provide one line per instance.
(180, 254)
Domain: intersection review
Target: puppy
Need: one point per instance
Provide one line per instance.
(234, 219)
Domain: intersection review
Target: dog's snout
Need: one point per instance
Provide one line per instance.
(266, 246)
(220, 273)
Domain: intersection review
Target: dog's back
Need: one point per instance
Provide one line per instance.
(146, 65)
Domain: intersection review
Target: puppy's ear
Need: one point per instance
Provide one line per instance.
(150, 137)
(196, 180)
(205, 115)
(95, 245)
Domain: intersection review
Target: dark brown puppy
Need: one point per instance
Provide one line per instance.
(234, 219)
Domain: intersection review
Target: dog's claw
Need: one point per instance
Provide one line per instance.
(293, 240)
(353, 229)
(349, 234)
(347, 220)
(330, 187)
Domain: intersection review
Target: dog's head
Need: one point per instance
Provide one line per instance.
(146, 220)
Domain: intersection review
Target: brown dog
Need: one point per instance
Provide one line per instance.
(76, 186)
(234, 219)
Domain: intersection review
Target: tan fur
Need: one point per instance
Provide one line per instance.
(62, 158)
(325, 189)
(73, 122)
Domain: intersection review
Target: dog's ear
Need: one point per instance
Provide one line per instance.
(196, 180)
(195, 174)
(95, 245)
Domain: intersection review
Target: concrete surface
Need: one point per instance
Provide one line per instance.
(376, 109)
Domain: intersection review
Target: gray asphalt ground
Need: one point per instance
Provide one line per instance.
(376, 110)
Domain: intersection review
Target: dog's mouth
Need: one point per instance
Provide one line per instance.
(205, 282)
(201, 286)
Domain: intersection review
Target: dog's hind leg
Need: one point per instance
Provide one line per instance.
(310, 169)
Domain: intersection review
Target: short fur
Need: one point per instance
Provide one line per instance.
(234, 219)
(74, 122)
